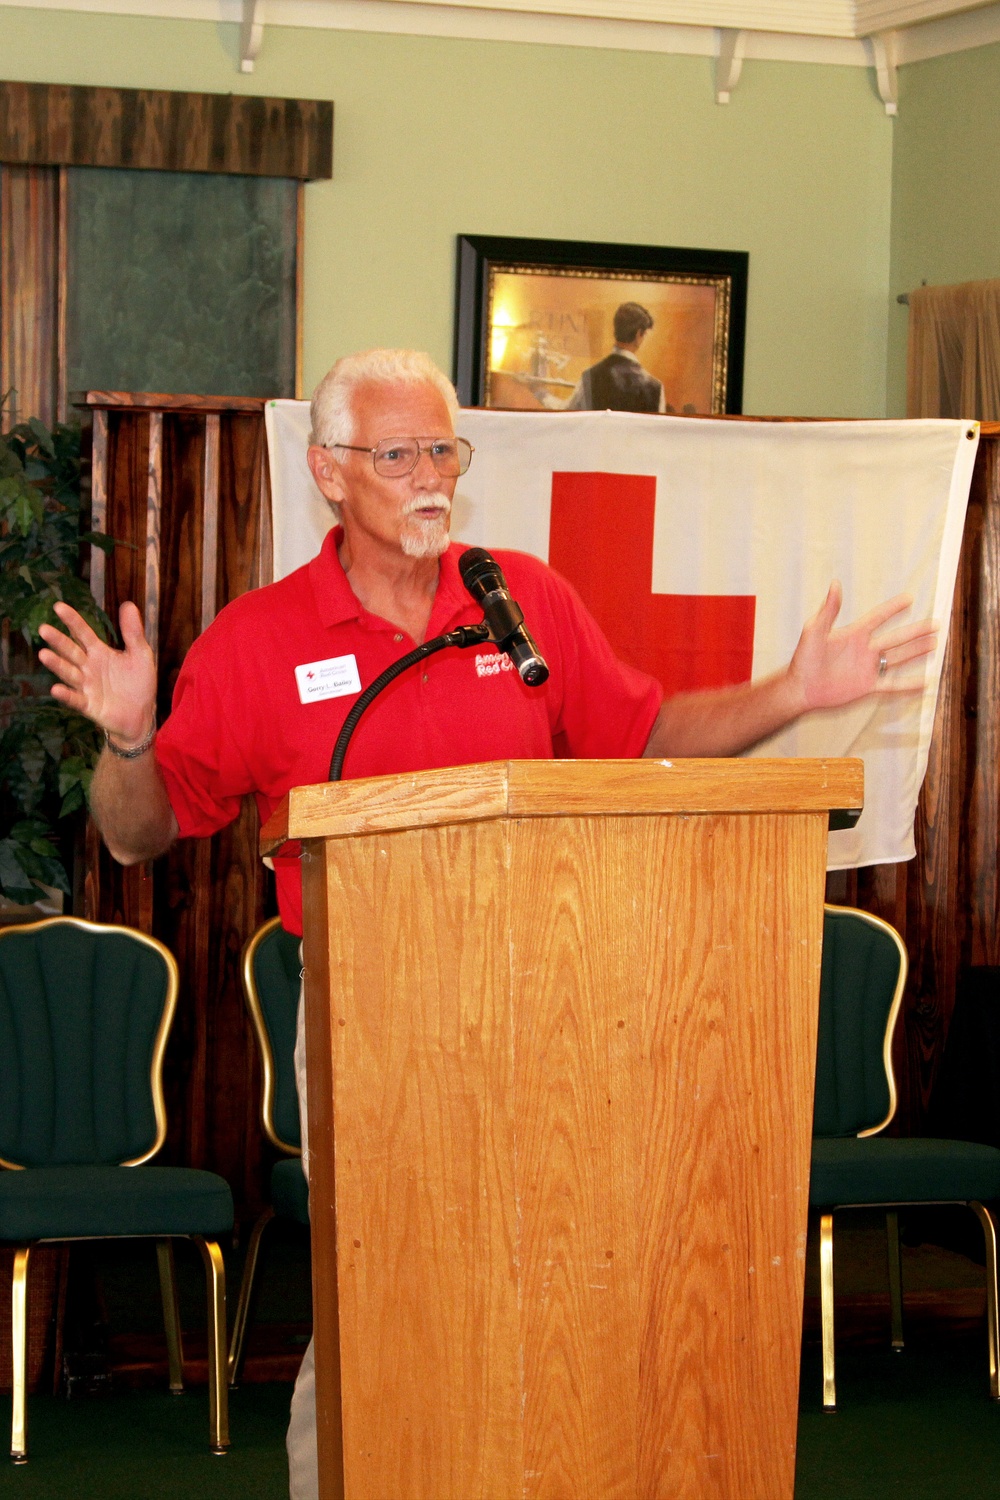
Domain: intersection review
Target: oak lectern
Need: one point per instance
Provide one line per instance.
(561, 1026)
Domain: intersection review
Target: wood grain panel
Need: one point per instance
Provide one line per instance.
(537, 788)
(210, 524)
(572, 1116)
(730, 1032)
(322, 922)
(425, 1206)
(29, 278)
(205, 897)
(242, 482)
(166, 401)
(182, 545)
(45, 124)
(98, 499)
(982, 700)
(579, 984)
(154, 487)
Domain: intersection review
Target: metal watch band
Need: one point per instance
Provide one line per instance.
(136, 750)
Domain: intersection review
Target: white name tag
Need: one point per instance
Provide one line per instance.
(333, 678)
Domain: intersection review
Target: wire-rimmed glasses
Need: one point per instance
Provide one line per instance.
(396, 457)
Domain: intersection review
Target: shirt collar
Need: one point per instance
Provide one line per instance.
(336, 601)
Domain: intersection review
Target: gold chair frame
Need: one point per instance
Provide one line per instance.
(894, 1257)
(215, 1271)
(241, 1319)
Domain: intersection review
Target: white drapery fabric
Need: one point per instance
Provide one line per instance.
(769, 510)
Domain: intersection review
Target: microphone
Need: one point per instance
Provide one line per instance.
(483, 577)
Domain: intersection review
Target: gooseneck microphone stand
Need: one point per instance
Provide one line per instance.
(465, 635)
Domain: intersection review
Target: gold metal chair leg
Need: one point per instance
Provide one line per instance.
(242, 1318)
(171, 1315)
(19, 1340)
(218, 1391)
(992, 1324)
(895, 1277)
(826, 1309)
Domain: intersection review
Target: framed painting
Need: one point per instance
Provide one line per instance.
(551, 325)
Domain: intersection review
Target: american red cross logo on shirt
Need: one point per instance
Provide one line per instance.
(601, 539)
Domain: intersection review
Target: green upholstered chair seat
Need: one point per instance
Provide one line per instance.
(272, 973)
(277, 970)
(879, 1169)
(71, 1202)
(290, 1191)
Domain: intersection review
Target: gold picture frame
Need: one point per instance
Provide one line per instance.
(556, 324)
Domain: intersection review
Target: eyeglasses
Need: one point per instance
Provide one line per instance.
(396, 457)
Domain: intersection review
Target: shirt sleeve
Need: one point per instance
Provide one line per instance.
(205, 773)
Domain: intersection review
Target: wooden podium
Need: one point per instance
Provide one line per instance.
(561, 1025)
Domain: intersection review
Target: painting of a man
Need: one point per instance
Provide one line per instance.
(618, 382)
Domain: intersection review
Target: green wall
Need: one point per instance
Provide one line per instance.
(946, 185)
(437, 137)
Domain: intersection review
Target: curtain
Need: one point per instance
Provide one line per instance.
(953, 356)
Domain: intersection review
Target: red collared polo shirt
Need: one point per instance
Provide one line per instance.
(239, 726)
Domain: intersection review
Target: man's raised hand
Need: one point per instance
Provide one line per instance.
(833, 667)
(117, 689)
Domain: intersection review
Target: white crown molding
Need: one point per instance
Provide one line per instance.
(872, 16)
(974, 28)
(793, 31)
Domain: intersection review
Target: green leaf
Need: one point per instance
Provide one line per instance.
(43, 436)
(31, 757)
(99, 539)
(14, 881)
(73, 799)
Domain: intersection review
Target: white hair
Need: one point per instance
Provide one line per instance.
(332, 408)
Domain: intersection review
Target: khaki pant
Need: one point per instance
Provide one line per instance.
(303, 1475)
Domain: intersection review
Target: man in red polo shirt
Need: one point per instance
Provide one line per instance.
(264, 691)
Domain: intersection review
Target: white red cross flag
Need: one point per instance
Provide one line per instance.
(702, 546)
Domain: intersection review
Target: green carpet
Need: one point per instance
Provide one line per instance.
(148, 1446)
(918, 1425)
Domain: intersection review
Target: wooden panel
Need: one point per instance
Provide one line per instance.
(570, 1201)
(243, 484)
(981, 711)
(48, 124)
(317, 950)
(533, 789)
(210, 528)
(165, 401)
(187, 504)
(29, 279)
(426, 1235)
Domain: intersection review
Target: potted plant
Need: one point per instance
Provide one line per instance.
(47, 752)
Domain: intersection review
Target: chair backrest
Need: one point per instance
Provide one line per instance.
(85, 1011)
(864, 972)
(272, 972)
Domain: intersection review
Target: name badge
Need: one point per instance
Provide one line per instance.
(334, 678)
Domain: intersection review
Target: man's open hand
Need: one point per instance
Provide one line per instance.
(117, 689)
(831, 667)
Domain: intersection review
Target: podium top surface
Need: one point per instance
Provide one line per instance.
(563, 788)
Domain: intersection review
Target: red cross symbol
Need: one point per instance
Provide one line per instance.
(601, 538)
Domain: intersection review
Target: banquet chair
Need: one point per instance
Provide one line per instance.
(853, 1164)
(85, 1011)
(271, 981)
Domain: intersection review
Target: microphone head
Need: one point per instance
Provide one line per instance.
(480, 572)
